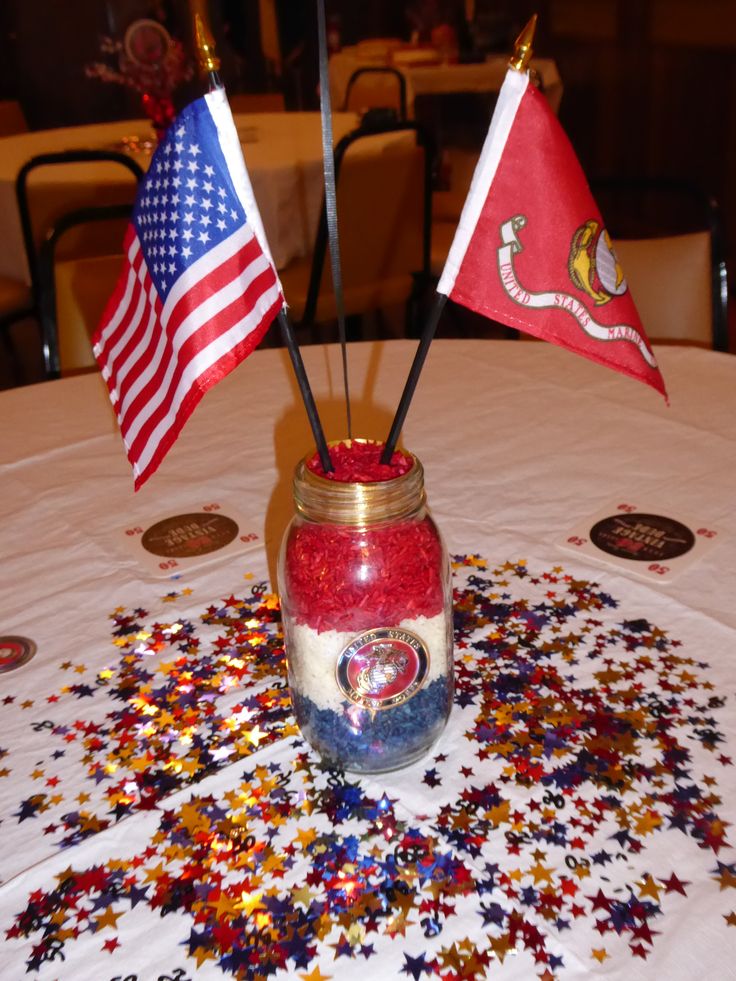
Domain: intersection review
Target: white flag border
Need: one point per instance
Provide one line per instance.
(509, 98)
(227, 134)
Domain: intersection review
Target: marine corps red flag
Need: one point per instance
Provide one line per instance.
(531, 250)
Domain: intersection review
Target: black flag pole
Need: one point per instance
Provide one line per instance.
(287, 333)
(414, 372)
(209, 66)
(519, 62)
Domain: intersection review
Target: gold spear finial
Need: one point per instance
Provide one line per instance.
(523, 46)
(205, 45)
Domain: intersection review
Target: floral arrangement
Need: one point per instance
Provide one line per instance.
(149, 61)
(156, 78)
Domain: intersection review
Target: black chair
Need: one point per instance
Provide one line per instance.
(16, 305)
(384, 224)
(667, 236)
(359, 98)
(73, 291)
(41, 207)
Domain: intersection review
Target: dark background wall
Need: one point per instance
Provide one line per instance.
(650, 88)
(650, 85)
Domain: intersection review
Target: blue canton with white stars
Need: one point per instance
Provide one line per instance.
(187, 204)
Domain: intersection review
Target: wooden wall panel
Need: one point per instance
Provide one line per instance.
(655, 97)
(707, 24)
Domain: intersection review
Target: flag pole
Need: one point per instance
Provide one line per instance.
(287, 333)
(414, 372)
(518, 61)
(209, 67)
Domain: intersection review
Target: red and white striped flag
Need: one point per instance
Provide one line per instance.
(198, 289)
(531, 249)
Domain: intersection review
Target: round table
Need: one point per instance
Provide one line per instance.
(440, 79)
(573, 820)
(283, 153)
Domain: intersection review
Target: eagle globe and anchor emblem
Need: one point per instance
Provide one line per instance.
(382, 668)
(593, 264)
(593, 268)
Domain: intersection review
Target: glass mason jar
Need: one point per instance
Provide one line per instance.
(366, 602)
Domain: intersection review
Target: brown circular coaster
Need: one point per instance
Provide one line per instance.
(14, 652)
(187, 535)
(642, 537)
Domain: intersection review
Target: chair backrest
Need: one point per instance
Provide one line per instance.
(257, 102)
(457, 167)
(384, 212)
(667, 236)
(51, 185)
(74, 289)
(670, 280)
(376, 87)
(378, 50)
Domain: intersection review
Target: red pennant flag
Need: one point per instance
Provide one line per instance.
(531, 250)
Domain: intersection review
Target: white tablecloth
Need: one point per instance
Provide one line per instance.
(283, 152)
(443, 79)
(162, 817)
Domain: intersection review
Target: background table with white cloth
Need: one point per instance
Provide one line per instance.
(283, 153)
(441, 79)
(161, 815)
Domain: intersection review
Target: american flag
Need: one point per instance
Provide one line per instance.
(198, 289)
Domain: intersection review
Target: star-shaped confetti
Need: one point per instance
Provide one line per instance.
(580, 725)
